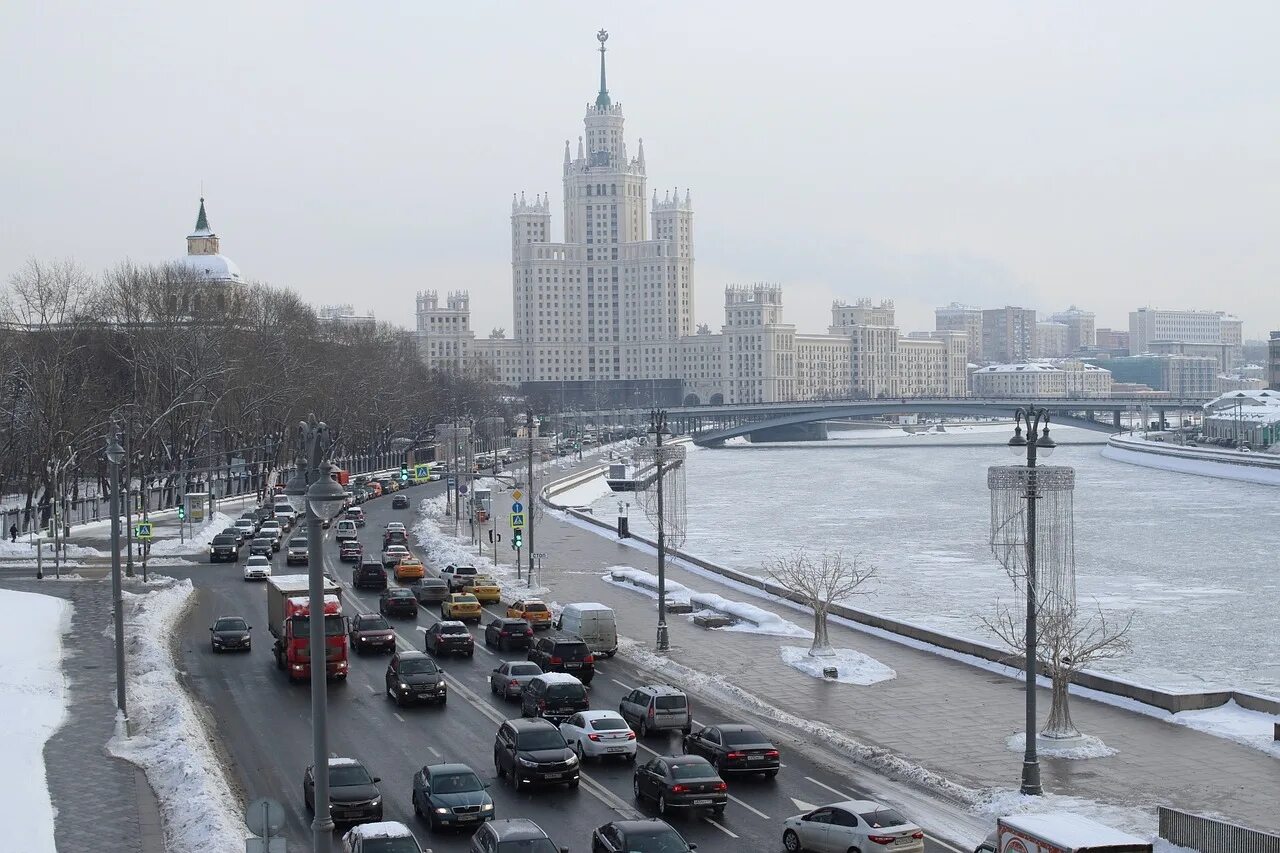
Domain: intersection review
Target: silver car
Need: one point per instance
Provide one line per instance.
(850, 825)
(656, 707)
(509, 679)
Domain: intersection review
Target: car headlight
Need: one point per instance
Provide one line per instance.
(573, 759)
(404, 686)
(442, 811)
(487, 807)
(524, 762)
(376, 801)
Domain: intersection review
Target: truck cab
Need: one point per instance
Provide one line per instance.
(289, 620)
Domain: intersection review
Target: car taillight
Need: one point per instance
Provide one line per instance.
(593, 736)
(720, 786)
(589, 659)
(771, 753)
(555, 661)
(631, 735)
(513, 683)
(679, 789)
(731, 756)
(917, 835)
(528, 632)
(504, 633)
(882, 839)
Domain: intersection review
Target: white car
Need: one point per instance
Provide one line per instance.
(852, 824)
(346, 530)
(599, 734)
(258, 568)
(385, 836)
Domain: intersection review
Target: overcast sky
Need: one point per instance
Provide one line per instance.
(1109, 155)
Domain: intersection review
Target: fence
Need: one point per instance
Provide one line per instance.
(1213, 836)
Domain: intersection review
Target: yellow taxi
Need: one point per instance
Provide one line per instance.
(410, 568)
(462, 606)
(484, 588)
(532, 610)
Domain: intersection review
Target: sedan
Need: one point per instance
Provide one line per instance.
(460, 605)
(353, 794)
(450, 795)
(369, 632)
(680, 782)
(599, 734)
(392, 555)
(237, 532)
(384, 837)
(733, 747)
(258, 568)
(400, 502)
(519, 834)
(509, 679)
(449, 637)
(414, 677)
(852, 825)
(230, 634)
(623, 836)
(506, 634)
(262, 547)
(430, 591)
(398, 602)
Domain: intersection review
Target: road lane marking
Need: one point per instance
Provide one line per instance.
(835, 791)
(482, 647)
(748, 807)
(435, 752)
(718, 826)
(372, 689)
(620, 684)
(397, 716)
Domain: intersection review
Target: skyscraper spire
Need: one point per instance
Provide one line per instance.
(602, 99)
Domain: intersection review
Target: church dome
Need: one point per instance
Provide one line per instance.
(212, 267)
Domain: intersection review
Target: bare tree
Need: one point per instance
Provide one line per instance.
(821, 581)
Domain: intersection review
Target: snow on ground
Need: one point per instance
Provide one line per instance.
(1200, 467)
(196, 543)
(169, 740)
(755, 620)
(1088, 747)
(27, 550)
(584, 494)
(439, 549)
(1251, 728)
(33, 703)
(1139, 820)
(854, 666)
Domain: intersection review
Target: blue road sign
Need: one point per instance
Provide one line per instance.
(462, 490)
(450, 482)
(517, 520)
(421, 471)
(517, 507)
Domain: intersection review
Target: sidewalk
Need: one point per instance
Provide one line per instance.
(942, 714)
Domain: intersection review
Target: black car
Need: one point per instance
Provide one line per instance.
(557, 696)
(229, 634)
(680, 782)
(369, 574)
(506, 634)
(733, 747)
(370, 632)
(236, 532)
(353, 794)
(224, 547)
(449, 637)
(430, 591)
(564, 654)
(518, 833)
(262, 546)
(414, 677)
(622, 836)
(530, 752)
(451, 795)
(398, 602)
(261, 514)
(400, 502)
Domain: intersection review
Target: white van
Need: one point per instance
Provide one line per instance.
(594, 623)
(1059, 832)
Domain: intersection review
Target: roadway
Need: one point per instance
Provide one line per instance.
(263, 726)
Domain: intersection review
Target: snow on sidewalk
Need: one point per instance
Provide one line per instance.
(196, 543)
(21, 550)
(853, 666)
(1251, 728)
(33, 704)
(169, 740)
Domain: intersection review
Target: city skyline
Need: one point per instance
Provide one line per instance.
(333, 182)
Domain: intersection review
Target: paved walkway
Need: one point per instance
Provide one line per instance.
(102, 802)
(947, 716)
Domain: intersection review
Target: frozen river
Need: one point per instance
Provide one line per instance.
(1195, 558)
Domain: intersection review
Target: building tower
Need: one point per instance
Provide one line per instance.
(204, 255)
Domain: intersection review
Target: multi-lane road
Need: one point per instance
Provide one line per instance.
(263, 725)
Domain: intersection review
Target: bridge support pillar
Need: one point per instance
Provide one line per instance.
(1115, 419)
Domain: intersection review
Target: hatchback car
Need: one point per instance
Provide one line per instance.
(532, 610)
(449, 637)
(505, 634)
(450, 795)
(656, 708)
(430, 591)
(258, 568)
(519, 834)
(564, 654)
(371, 632)
(230, 634)
(680, 782)
(733, 747)
(623, 836)
(532, 752)
(398, 602)
(553, 695)
(509, 678)
(386, 836)
(353, 793)
(852, 825)
(461, 605)
(599, 734)
(414, 677)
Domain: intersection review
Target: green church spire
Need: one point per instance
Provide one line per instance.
(202, 221)
(602, 99)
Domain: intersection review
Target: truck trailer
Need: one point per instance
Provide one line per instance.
(289, 621)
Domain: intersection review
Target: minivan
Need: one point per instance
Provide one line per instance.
(594, 623)
(555, 696)
(656, 707)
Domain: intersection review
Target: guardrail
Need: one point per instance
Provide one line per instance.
(1209, 835)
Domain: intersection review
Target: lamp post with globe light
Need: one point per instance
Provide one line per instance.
(314, 491)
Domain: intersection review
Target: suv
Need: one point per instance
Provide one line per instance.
(530, 752)
(447, 637)
(369, 575)
(454, 575)
(355, 513)
(564, 654)
(247, 527)
(353, 793)
(656, 708)
(557, 696)
(224, 547)
(297, 551)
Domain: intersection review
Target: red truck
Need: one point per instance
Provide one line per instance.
(288, 620)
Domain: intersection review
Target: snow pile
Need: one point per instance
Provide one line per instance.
(1169, 461)
(1139, 820)
(27, 550)
(1086, 746)
(170, 742)
(197, 542)
(439, 549)
(33, 703)
(1251, 728)
(754, 620)
(854, 666)
(1163, 846)
(584, 494)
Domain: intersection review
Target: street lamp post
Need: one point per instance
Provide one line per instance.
(1037, 438)
(115, 455)
(658, 426)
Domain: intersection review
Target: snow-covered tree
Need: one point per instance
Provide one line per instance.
(821, 581)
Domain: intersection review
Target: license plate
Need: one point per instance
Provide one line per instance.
(573, 666)
(467, 817)
(552, 776)
(755, 758)
(616, 749)
(702, 802)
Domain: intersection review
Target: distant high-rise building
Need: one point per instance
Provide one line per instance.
(860, 313)
(1112, 339)
(962, 318)
(1080, 327)
(1148, 325)
(345, 315)
(1273, 361)
(1008, 334)
(1052, 340)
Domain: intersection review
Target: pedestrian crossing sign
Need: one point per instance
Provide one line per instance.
(142, 530)
(517, 520)
(421, 472)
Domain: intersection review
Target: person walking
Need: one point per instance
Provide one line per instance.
(13, 532)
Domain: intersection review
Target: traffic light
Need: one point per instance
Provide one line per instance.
(517, 538)
(404, 472)
(182, 513)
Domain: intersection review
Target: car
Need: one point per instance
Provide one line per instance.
(393, 525)
(345, 530)
(400, 502)
(553, 695)
(450, 795)
(680, 782)
(262, 546)
(449, 637)
(509, 678)
(461, 605)
(564, 653)
(388, 485)
(273, 529)
(518, 834)
(375, 489)
(398, 602)
(385, 836)
(623, 836)
(260, 514)
(394, 537)
(351, 551)
(393, 555)
(371, 632)
(453, 575)
(599, 734)
(532, 752)
(414, 677)
(484, 588)
(296, 551)
(243, 529)
(436, 474)
(505, 634)
(353, 793)
(410, 568)
(230, 634)
(532, 610)
(224, 547)
(369, 574)
(656, 708)
(734, 748)
(852, 825)
(355, 513)
(430, 591)
(258, 568)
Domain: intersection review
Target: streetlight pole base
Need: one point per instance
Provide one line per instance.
(663, 642)
(1031, 779)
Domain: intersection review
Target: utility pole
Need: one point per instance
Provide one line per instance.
(663, 638)
(533, 493)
